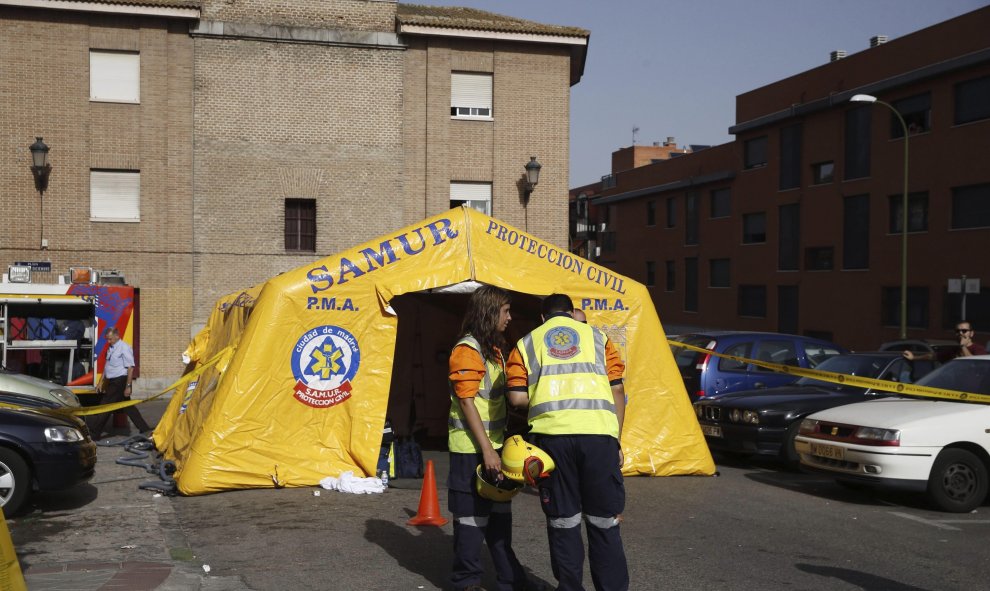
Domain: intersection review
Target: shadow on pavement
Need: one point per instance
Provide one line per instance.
(860, 579)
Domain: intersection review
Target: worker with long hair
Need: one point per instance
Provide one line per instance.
(476, 429)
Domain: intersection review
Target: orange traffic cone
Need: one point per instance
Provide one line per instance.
(429, 506)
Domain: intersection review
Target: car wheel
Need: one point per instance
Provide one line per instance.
(788, 455)
(15, 481)
(958, 483)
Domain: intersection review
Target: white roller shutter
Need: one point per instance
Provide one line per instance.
(477, 196)
(114, 196)
(114, 76)
(471, 93)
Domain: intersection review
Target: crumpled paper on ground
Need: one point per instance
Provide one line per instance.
(352, 484)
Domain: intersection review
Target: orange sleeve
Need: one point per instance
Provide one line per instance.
(614, 364)
(466, 370)
(516, 374)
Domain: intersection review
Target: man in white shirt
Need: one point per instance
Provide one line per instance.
(116, 384)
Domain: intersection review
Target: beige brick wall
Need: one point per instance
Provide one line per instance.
(237, 126)
(280, 120)
(354, 15)
(45, 90)
(531, 112)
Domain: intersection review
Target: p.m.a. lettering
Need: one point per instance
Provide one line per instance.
(343, 304)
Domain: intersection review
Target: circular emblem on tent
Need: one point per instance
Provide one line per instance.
(324, 361)
(562, 342)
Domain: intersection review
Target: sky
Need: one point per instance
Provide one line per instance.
(673, 68)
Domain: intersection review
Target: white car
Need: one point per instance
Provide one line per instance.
(935, 446)
(44, 393)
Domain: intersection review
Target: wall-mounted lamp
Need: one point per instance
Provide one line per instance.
(532, 175)
(39, 165)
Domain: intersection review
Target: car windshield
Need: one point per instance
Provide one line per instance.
(686, 357)
(850, 365)
(961, 375)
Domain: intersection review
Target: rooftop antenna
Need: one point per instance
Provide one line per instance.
(635, 131)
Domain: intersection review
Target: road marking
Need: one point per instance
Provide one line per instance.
(939, 524)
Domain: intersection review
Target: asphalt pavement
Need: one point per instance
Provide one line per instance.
(756, 526)
(109, 534)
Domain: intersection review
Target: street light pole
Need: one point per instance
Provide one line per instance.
(866, 98)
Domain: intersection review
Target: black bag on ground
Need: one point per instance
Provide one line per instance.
(408, 459)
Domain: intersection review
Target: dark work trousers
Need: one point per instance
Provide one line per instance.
(115, 391)
(587, 481)
(478, 521)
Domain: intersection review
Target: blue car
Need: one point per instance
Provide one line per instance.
(707, 375)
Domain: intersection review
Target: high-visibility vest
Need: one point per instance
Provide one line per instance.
(490, 403)
(569, 391)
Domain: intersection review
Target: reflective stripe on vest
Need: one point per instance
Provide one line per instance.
(490, 403)
(569, 389)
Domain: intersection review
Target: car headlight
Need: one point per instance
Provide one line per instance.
(808, 427)
(877, 435)
(751, 416)
(66, 397)
(697, 410)
(734, 415)
(63, 435)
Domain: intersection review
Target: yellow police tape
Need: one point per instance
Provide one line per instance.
(221, 359)
(838, 378)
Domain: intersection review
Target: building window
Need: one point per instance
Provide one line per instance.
(671, 282)
(789, 246)
(917, 113)
(671, 212)
(114, 76)
(651, 273)
(972, 99)
(819, 258)
(651, 213)
(753, 300)
(857, 142)
(917, 306)
(470, 95)
(755, 153)
(754, 228)
(822, 172)
(477, 196)
(608, 181)
(721, 203)
(691, 218)
(790, 157)
(115, 196)
(917, 212)
(718, 273)
(608, 242)
(971, 207)
(300, 224)
(691, 284)
(856, 232)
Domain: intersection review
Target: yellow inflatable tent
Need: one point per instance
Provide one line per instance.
(303, 365)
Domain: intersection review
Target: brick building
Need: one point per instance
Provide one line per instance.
(223, 143)
(796, 225)
(120, 194)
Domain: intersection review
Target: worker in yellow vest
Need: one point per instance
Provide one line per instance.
(475, 432)
(570, 376)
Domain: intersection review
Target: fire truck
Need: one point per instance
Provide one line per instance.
(56, 330)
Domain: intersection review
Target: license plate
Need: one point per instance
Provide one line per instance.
(711, 430)
(831, 452)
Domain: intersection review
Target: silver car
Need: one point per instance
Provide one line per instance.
(48, 393)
